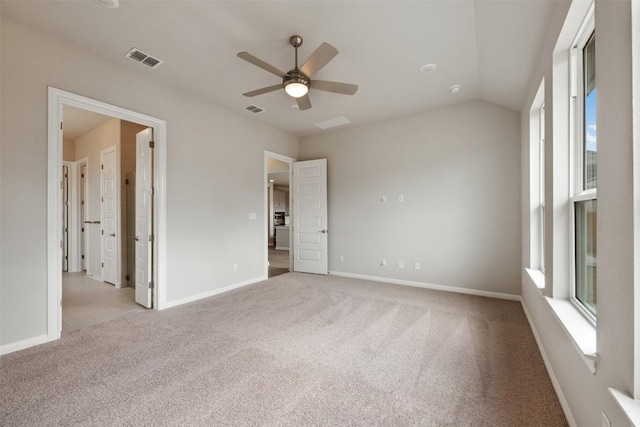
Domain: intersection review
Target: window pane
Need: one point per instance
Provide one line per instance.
(586, 253)
(590, 93)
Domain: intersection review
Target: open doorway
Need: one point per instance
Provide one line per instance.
(94, 212)
(99, 178)
(278, 213)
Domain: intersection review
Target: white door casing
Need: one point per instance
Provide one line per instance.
(110, 233)
(82, 213)
(65, 217)
(144, 217)
(310, 231)
(57, 99)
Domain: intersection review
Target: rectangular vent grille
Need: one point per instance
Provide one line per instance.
(143, 58)
(254, 108)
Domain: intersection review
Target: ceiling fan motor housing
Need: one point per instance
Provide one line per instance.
(296, 76)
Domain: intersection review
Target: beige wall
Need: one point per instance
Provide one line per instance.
(586, 394)
(457, 168)
(69, 151)
(89, 146)
(208, 225)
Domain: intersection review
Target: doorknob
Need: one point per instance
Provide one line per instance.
(136, 239)
(112, 234)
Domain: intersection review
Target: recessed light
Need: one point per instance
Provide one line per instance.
(455, 89)
(111, 4)
(427, 68)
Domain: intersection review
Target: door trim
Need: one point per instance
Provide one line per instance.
(78, 225)
(265, 244)
(57, 99)
(112, 149)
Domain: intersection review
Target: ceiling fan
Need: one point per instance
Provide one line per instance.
(297, 82)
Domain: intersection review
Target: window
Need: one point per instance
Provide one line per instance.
(536, 182)
(584, 173)
(541, 190)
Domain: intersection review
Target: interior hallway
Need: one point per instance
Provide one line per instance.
(86, 301)
(278, 262)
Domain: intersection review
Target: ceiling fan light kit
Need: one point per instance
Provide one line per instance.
(297, 82)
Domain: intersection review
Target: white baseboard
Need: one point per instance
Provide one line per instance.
(476, 292)
(554, 380)
(212, 293)
(21, 345)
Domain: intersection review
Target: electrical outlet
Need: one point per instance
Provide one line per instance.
(400, 264)
(605, 420)
(235, 267)
(383, 263)
(401, 198)
(417, 266)
(341, 258)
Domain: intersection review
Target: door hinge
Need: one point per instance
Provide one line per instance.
(82, 256)
(102, 232)
(153, 191)
(152, 144)
(126, 181)
(83, 175)
(101, 166)
(150, 285)
(83, 229)
(151, 237)
(103, 265)
(102, 199)
(60, 125)
(127, 278)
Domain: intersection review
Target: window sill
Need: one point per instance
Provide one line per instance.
(629, 406)
(537, 277)
(581, 332)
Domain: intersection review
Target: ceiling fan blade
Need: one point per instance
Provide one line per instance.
(304, 103)
(335, 87)
(260, 63)
(263, 90)
(319, 59)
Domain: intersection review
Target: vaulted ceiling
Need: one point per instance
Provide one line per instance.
(487, 47)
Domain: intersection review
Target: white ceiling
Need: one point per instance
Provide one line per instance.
(488, 47)
(77, 122)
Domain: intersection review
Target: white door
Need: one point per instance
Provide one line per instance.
(109, 220)
(83, 216)
(144, 218)
(65, 218)
(310, 216)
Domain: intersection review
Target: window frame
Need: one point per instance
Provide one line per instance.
(541, 184)
(577, 192)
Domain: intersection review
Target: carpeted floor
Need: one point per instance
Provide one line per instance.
(295, 350)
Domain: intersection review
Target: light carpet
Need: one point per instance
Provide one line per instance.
(294, 350)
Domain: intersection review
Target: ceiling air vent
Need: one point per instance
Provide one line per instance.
(143, 58)
(254, 108)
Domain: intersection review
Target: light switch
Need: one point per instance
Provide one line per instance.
(401, 198)
(253, 215)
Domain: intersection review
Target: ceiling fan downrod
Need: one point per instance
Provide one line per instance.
(296, 42)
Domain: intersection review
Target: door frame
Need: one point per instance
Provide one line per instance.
(78, 225)
(57, 99)
(112, 149)
(265, 245)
